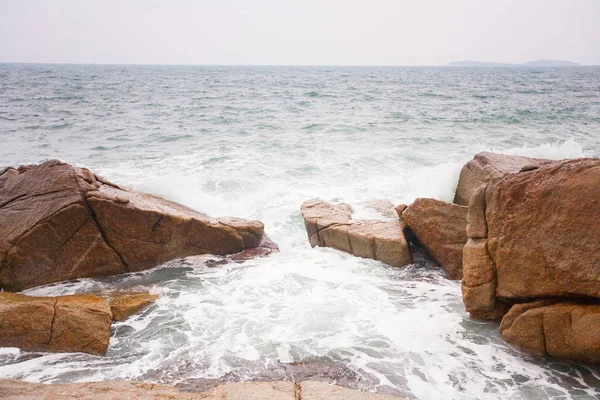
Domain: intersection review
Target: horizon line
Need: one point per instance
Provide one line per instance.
(504, 65)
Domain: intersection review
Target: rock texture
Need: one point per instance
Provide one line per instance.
(11, 389)
(543, 230)
(331, 225)
(440, 229)
(124, 305)
(58, 222)
(485, 167)
(79, 323)
(535, 235)
(568, 329)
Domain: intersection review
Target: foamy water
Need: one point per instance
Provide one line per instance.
(256, 143)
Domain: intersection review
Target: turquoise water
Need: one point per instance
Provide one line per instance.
(256, 142)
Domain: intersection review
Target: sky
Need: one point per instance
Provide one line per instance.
(303, 32)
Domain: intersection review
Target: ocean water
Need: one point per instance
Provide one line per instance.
(256, 142)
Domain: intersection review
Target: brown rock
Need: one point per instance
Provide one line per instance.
(58, 223)
(569, 330)
(400, 209)
(265, 248)
(124, 305)
(485, 167)
(330, 225)
(12, 389)
(312, 390)
(544, 230)
(476, 225)
(441, 229)
(79, 323)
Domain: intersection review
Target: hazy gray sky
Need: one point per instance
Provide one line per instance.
(314, 32)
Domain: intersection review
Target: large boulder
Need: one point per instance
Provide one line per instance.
(330, 225)
(58, 222)
(440, 228)
(78, 323)
(12, 389)
(485, 167)
(568, 329)
(533, 234)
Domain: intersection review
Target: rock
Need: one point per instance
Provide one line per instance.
(533, 234)
(383, 209)
(331, 225)
(266, 247)
(311, 390)
(400, 209)
(12, 389)
(58, 222)
(124, 305)
(485, 167)
(440, 228)
(78, 323)
(543, 231)
(569, 330)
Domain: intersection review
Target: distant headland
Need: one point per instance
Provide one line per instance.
(536, 63)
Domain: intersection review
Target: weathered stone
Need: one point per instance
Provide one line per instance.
(485, 167)
(58, 223)
(265, 248)
(330, 225)
(78, 323)
(479, 282)
(124, 305)
(400, 209)
(12, 389)
(440, 228)
(569, 329)
(312, 390)
(544, 231)
(476, 225)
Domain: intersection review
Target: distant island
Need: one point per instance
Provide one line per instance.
(536, 63)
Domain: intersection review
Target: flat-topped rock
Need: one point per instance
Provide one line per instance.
(485, 167)
(58, 222)
(78, 323)
(568, 330)
(12, 389)
(330, 225)
(440, 228)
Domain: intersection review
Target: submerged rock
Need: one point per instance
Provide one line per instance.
(58, 222)
(331, 225)
(78, 323)
(124, 305)
(569, 329)
(440, 229)
(12, 389)
(485, 167)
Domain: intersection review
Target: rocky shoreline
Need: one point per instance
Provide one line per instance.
(522, 236)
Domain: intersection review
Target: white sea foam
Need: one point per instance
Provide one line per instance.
(258, 152)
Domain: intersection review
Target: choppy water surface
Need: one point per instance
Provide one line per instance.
(256, 142)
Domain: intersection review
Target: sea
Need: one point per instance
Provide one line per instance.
(256, 142)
